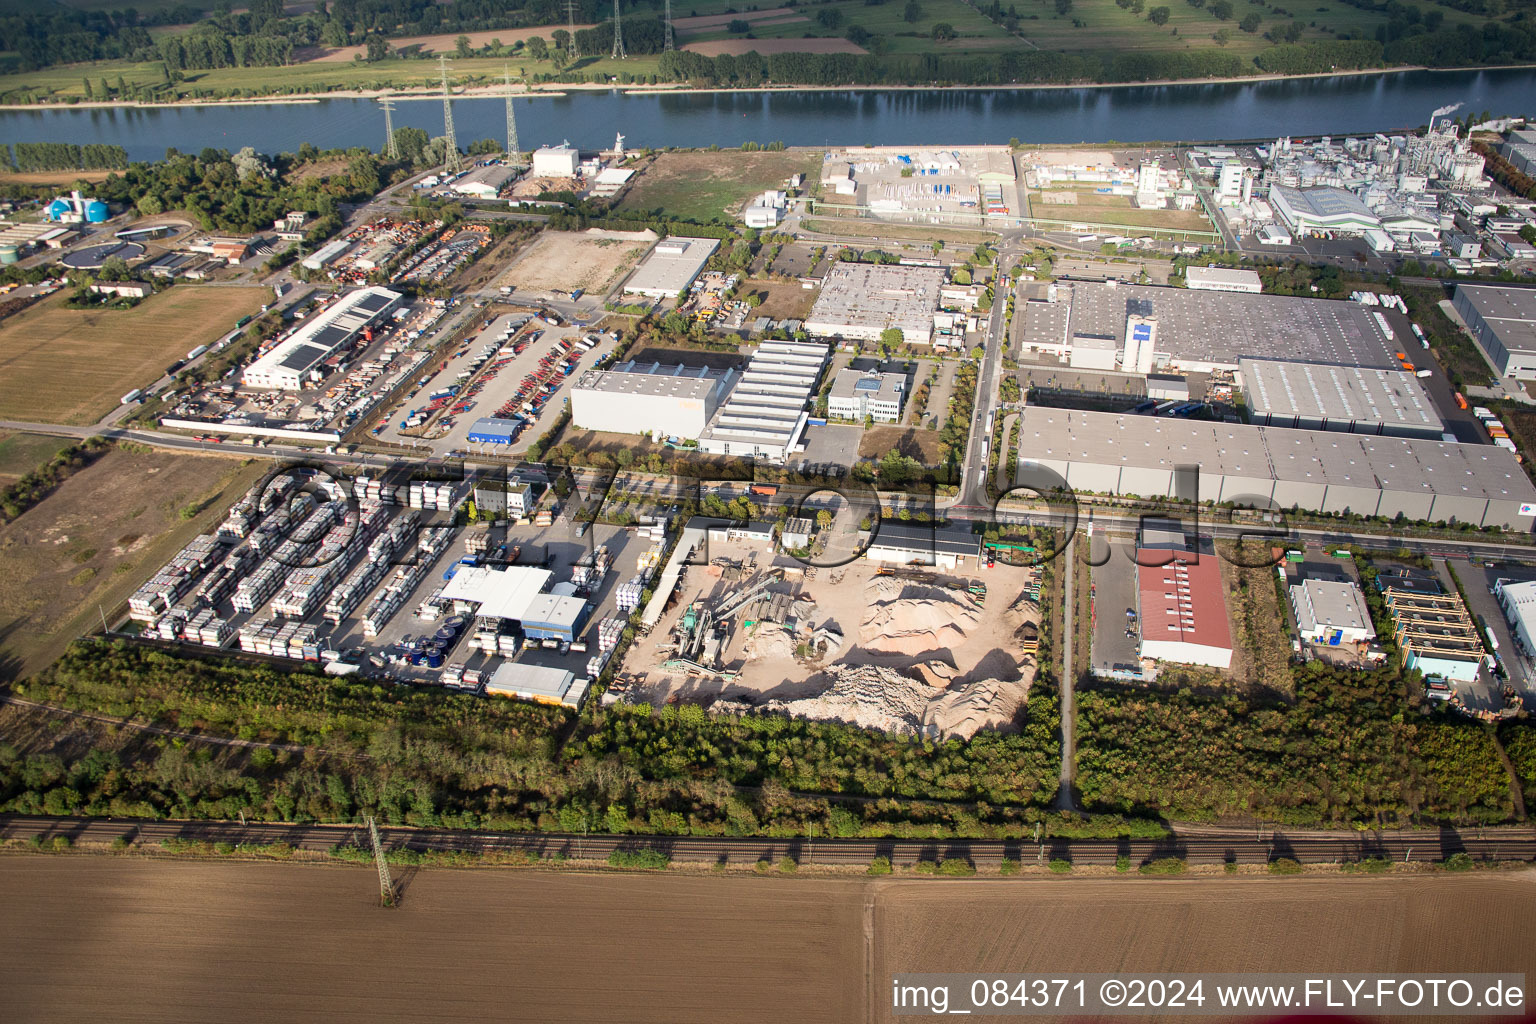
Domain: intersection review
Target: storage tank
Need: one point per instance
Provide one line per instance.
(96, 212)
(9, 253)
(434, 660)
(59, 209)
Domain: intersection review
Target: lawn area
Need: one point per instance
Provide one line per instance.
(704, 186)
(20, 454)
(1101, 209)
(90, 543)
(61, 365)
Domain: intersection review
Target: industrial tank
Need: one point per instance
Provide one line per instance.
(9, 253)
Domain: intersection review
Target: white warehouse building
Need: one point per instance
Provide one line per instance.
(1222, 279)
(663, 401)
(297, 359)
(766, 414)
(1331, 612)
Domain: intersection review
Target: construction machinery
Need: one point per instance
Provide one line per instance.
(975, 588)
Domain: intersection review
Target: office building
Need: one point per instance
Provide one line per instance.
(856, 394)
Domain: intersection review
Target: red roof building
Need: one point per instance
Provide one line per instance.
(1183, 609)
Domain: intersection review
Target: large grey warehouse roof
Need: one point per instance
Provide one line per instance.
(1201, 329)
(1348, 398)
(767, 408)
(653, 378)
(1109, 453)
(1509, 312)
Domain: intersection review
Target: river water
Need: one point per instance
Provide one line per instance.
(1315, 106)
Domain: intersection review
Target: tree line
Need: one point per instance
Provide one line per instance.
(64, 156)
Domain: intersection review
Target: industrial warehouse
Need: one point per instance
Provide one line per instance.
(295, 360)
(860, 301)
(1347, 398)
(1503, 321)
(664, 401)
(1110, 453)
(765, 415)
(1201, 330)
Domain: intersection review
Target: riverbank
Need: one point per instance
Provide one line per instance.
(558, 89)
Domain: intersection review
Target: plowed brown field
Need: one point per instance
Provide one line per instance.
(98, 938)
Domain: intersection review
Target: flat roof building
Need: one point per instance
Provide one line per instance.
(497, 593)
(1519, 603)
(1352, 399)
(1112, 453)
(296, 360)
(861, 300)
(1222, 279)
(1181, 607)
(484, 182)
(856, 394)
(671, 267)
(1203, 331)
(537, 683)
(766, 413)
(945, 547)
(1331, 612)
(556, 161)
(650, 398)
(1503, 320)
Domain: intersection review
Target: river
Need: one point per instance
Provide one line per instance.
(1240, 110)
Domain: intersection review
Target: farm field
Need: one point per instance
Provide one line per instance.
(61, 365)
(1299, 924)
(165, 941)
(124, 934)
(703, 186)
(435, 44)
(92, 541)
(20, 454)
(593, 261)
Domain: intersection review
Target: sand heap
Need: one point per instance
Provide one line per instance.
(769, 640)
(966, 710)
(877, 697)
(912, 619)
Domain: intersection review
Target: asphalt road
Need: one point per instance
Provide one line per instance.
(973, 483)
(1196, 845)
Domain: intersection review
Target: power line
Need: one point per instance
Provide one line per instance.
(570, 20)
(391, 148)
(669, 44)
(618, 35)
(452, 161)
(513, 149)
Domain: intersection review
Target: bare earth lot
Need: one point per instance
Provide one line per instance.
(702, 186)
(96, 538)
(1324, 924)
(95, 938)
(593, 261)
(60, 365)
(106, 938)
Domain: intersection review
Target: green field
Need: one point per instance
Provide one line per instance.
(702, 186)
(20, 454)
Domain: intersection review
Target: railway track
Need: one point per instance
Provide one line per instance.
(1205, 846)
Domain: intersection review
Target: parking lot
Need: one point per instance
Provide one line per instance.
(495, 389)
(1115, 655)
(1478, 579)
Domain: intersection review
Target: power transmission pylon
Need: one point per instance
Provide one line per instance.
(570, 21)
(669, 44)
(452, 162)
(618, 35)
(391, 148)
(386, 884)
(513, 150)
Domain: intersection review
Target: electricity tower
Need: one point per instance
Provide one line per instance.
(669, 44)
(387, 892)
(618, 35)
(570, 20)
(452, 161)
(391, 148)
(514, 152)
